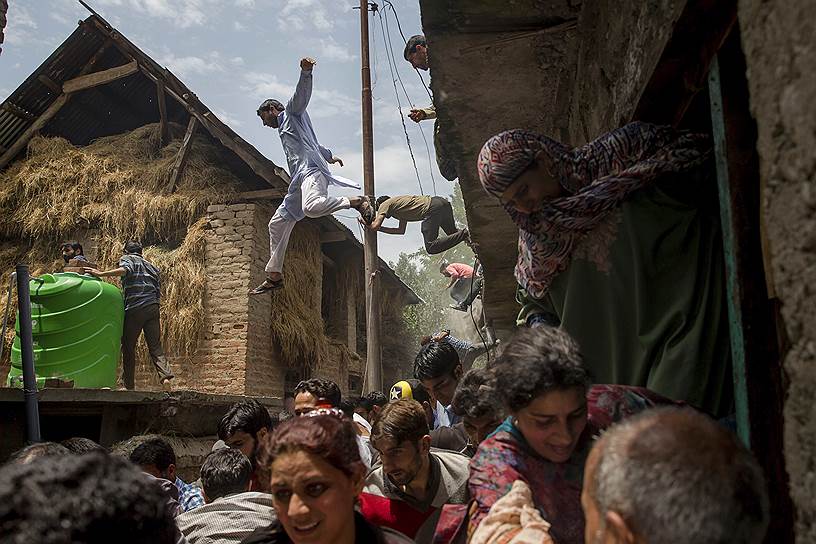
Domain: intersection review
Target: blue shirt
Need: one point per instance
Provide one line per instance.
(444, 416)
(304, 154)
(190, 496)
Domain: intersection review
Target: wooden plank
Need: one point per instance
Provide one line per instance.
(181, 157)
(756, 358)
(263, 194)
(164, 127)
(683, 66)
(274, 175)
(37, 125)
(327, 261)
(100, 78)
(50, 83)
(333, 236)
(18, 112)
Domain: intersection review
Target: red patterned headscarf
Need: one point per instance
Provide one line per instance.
(597, 177)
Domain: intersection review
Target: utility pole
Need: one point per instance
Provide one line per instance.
(373, 377)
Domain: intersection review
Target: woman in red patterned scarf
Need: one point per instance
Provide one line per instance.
(619, 244)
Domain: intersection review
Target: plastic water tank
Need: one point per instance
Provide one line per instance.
(77, 324)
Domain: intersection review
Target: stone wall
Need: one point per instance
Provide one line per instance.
(779, 41)
(579, 78)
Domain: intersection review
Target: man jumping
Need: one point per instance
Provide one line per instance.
(308, 194)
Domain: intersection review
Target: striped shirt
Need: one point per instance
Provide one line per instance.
(140, 283)
(227, 519)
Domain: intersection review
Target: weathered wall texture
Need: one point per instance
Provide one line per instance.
(619, 45)
(779, 41)
(480, 91)
(572, 82)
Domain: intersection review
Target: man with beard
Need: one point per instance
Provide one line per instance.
(72, 251)
(244, 427)
(407, 491)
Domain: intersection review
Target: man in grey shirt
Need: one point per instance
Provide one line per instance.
(142, 289)
(231, 513)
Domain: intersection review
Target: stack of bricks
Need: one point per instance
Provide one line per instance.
(235, 354)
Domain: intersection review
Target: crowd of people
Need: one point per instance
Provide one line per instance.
(526, 449)
(543, 444)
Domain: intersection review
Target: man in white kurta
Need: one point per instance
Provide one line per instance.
(308, 161)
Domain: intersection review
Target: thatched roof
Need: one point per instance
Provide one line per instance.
(136, 92)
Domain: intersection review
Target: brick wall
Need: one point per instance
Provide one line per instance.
(235, 354)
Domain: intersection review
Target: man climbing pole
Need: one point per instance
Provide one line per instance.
(308, 194)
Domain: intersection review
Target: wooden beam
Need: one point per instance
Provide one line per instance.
(160, 98)
(18, 112)
(100, 78)
(263, 194)
(37, 125)
(333, 236)
(327, 261)
(50, 83)
(181, 157)
(759, 389)
(263, 168)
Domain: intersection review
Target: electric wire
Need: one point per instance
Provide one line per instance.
(392, 67)
(405, 91)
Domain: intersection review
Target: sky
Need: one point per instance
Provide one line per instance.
(235, 53)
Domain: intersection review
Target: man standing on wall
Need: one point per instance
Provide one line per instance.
(142, 289)
(308, 162)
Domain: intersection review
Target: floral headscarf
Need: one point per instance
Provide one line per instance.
(597, 177)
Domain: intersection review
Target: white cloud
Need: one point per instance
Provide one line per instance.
(210, 63)
(183, 13)
(227, 118)
(309, 14)
(331, 50)
(245, 3)
(324, 102)
(237, 25)
(21, 27)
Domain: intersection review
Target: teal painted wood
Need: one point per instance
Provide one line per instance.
(733, 286)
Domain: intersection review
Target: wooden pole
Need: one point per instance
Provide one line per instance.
(373, 377)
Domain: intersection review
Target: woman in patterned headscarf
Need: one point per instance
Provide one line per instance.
(619, 243)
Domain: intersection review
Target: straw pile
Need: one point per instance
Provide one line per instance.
(299, 329)
(115, 188)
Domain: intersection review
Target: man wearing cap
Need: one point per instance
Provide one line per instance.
(308, 162)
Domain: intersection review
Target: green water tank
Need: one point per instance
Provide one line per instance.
(77, 325)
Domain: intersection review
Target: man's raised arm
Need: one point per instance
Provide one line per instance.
(303, 92)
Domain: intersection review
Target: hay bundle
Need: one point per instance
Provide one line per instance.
(297, 322)
(115, 187)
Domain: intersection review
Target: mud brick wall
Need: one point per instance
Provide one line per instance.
(779, 43)
(235, 354)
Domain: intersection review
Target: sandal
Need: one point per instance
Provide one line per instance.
(266, 286)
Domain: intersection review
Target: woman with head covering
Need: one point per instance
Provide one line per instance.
(554, 415)
(317, 476)
(619, 243)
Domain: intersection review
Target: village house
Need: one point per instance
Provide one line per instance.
(101, 143)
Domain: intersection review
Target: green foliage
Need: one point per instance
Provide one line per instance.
(421, 272)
